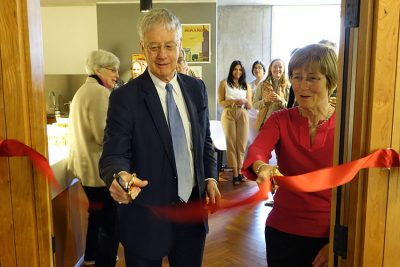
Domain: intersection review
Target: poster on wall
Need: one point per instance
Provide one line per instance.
(198, 71)
(196, 42)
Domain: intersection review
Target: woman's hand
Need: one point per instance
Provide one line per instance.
(264, 174)
(275, 97)
(322, 258)
(266, 91)
(241, 102)
(264, 171)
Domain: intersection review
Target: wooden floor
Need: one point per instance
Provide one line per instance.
(236, 237)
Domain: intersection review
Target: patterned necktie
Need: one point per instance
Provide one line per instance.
(181, 151)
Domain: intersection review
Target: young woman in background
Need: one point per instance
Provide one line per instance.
(234, 95)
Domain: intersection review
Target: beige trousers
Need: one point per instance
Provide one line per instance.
(235, 122)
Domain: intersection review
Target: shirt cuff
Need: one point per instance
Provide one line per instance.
(211, 179)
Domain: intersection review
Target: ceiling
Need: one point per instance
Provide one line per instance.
(219, 2)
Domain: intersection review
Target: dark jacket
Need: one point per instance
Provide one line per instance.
(137, 139)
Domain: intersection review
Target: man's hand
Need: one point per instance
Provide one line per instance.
(321, 260)
(135, 185)
(214, 196)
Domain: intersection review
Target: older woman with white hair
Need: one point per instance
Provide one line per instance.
(87, 122)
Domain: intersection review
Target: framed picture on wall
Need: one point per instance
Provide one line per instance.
(196, 42)
(198, 71)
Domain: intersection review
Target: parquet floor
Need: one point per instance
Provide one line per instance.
(236, 237)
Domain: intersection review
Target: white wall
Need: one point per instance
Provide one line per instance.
(244, 33)
(297, 26)
(69, 34)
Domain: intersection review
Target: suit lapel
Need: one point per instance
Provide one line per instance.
(156, 111)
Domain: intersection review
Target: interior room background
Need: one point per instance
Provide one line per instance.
(239, 32)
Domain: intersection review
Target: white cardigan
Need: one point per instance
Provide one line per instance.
(87, 120)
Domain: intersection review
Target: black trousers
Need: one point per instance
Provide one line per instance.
(287, 250)
(188, 245)
(102, 237)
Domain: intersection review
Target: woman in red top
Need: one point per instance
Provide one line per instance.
(297, 229)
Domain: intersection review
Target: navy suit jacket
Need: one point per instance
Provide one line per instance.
(137, 139)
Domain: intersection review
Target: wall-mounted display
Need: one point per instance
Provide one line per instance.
(196, 42)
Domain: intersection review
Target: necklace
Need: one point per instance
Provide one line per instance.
(315, 126)
(319, 123)
(235, 84)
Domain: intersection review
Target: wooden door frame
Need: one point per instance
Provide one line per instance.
(26, 222)
(370, 204)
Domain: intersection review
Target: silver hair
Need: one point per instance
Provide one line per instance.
(100, 59)
(162, 17)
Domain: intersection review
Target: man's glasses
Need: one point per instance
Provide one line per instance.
(156, 48)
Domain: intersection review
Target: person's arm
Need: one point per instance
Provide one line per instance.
(117, 152)
(114, 164)
(209, 160)
(249, 103)
(221, 96)
(258, 101)
(264, 171)
(97, 112)
(261, 148)
(322, 258)
(281, 97)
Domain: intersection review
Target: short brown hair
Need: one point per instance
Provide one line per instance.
(319, 56)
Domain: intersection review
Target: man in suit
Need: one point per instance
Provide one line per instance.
(140, 138)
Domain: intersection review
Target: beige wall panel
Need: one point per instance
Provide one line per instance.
(69, 34)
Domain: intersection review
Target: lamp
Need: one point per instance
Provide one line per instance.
(146, 5)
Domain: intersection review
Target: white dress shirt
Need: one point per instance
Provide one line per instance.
(181, 104)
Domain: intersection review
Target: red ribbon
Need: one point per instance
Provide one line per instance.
(327, 178)
(14, 148)
(338, 175)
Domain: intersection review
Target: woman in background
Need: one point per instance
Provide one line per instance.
(272, 93)
(86, 130)
(297, 228)
(234, 95)
(258, 70)
(182, 66)
(137, 68)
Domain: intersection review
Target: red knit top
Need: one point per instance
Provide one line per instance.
(286, 131)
